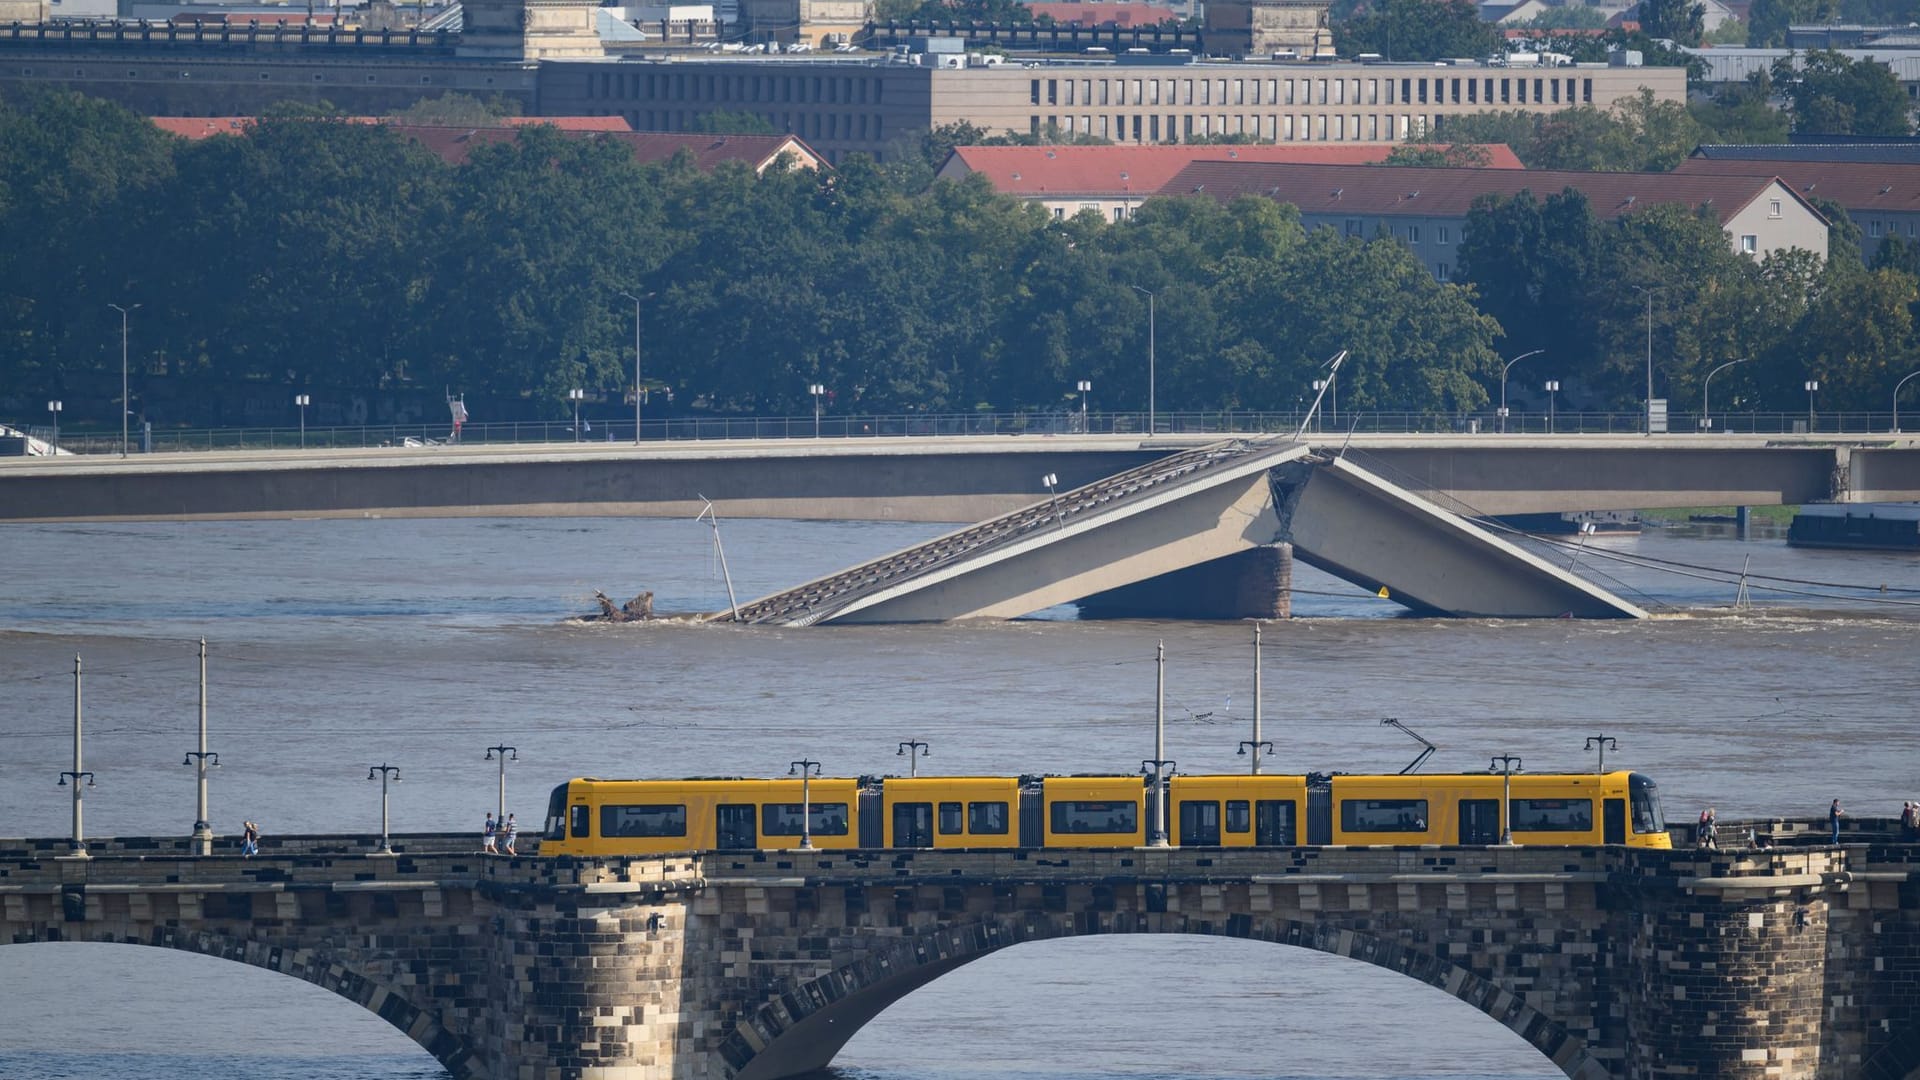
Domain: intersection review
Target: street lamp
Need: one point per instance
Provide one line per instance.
(576, 396)
(818, 390)
(1084, 386)
(1896, 404)
(385, 772)
(54, 408)
(1158, 767)
(1553, 391)
(202, 827)
(77, 774)
(807, 768)
(1506, 765)
(1503, 385)
(1051, 480)
(1319, 387)
(303, 401)
(1706, 387)
(1256, 744)
(907, 750)
(1602, 743)
(1813, 387)
(505, 754)
(1151, 336)
(638, 393)
(1649, 290)
(126, 406)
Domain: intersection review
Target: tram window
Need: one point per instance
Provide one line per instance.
(1095, 817)
(1383, 815)
(1273, 823)
(783, 819)
(950, 818)
(987, 818)
(666, 819)
(1239, 815)
(1645, 796)
(1552, 815)
(582, 817)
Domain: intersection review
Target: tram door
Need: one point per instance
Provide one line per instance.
(1273, 823)
(913, 825)
(734, 827)
(1199, 823)
(1615, 821)
(1479, 821)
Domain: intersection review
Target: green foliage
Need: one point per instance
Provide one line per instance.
(1417, 30)
(1682, 21)
(457, 110)
(956, 11)
(722, 122)
(1638, 134)
(1767, 20)
(1741, 113)
(1729, 32)
(1831, 93)
(1567, 17)
(1439, 156)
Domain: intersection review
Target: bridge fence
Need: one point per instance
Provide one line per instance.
(89, 440)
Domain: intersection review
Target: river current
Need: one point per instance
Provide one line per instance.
(337, 645)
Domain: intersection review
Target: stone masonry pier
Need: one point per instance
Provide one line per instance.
(1800, 963)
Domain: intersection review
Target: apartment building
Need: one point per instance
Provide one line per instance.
(1882, 198)
(1428, 208)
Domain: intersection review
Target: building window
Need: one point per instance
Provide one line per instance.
(1442, 271)
(1773, 208)
(1749, 243)
(1874, 228)
(1413, 234)
(1441, 235)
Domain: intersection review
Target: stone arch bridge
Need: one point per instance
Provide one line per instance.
(1794, 962)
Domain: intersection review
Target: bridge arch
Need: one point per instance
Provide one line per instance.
(809, 1020)
(337, 976)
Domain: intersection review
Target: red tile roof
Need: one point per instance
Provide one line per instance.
(1856, 185)
(1037, 171)
(1124, 15)
(201, 127)
(1334, 189)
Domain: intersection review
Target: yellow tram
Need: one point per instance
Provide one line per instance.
(642, 817)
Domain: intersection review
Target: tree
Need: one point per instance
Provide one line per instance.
(1567, 17)
(1439, 156)
(1767, 20)
(1682, 21)
(1742, 113)
(1417, 30)
(723, 122)
(457, 110)
(1831, 93)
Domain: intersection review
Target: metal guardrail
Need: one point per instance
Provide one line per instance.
(807, 604)
(85, 440)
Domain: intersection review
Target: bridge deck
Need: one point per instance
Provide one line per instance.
(825, 597)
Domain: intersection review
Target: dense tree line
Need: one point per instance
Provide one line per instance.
(342, 260)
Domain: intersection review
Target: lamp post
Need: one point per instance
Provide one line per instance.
(1706, 388)
(638, 393)
(1649, 290)
(77, 774)
(1896, 403)
(1158, 766)
(1084, 386)
(907, 749)
(1503, 385)
(576, 396)
(505, 754)
(1506, 765)
(385, 772)
(1553, 392)
(1319, 387)
(818, 390)
(1602, 743)
(807, 768)
(1050, 481)
(55, 406)
(1256, 744)
(303, 401)
(201, 758)
(125, 405)
(1813, 387)
(1152, 411)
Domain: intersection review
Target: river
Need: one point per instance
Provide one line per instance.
(337, 645)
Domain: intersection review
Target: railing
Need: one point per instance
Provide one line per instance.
(895, 425)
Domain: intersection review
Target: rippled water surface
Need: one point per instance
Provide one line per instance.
(338, 645)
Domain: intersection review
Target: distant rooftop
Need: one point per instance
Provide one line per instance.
(1894, 151)
(1038, 171)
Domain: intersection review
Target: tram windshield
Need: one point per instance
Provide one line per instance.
(557, 814)
(1645, 797)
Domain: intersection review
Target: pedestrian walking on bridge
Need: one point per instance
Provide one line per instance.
(1834, 814)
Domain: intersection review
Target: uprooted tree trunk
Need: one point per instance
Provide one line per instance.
(638, 609)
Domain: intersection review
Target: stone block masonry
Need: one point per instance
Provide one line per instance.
(1799, 964)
